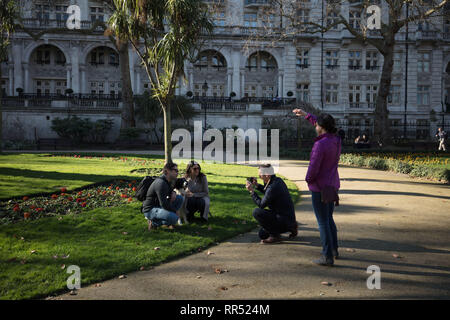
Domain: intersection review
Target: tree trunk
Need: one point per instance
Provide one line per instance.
(167, 133)
(127, 92)
(381, 125)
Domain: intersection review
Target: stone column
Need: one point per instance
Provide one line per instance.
(191, 80)
(75, 85)
(10, 90)
(83, 88)
(138, 82)
(280, 84)
(229, 81)
(26, 88)
(69, 76)
(242, 84)
(18, 73)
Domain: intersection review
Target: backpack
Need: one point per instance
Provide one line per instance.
(142, 188)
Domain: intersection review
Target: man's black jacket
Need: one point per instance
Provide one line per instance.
(158, 195)
(277, 198)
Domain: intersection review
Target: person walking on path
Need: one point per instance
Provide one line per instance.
(442, 136)
(323, 181)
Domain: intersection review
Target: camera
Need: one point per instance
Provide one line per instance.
(181, 183)
(251, 180)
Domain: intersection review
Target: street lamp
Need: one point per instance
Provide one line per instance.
(205, 90)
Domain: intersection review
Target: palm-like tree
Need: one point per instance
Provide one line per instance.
(8, 15)
(164, 33)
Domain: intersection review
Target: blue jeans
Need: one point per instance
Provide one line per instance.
(160, 216)
(327, 227)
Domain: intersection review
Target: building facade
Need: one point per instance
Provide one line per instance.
(251, 57)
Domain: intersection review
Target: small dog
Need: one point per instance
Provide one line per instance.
(180, 189)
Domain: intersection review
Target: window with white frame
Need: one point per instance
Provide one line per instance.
(218, 90)
(331, 59)
(60, 86)
(61, 15)
(268, 19)
(371, 60)
(371, 94)
(354, 60)
(43, 13)
(302, 58)
(219, 17)
(332, 17)
(331, 93)
(43, 86)
(268, 91)
(250, 90)
(423, 62)
(302, 16)
(397, 62)
(355, 18)
(394, 95)
(250, 19)
(97, 14)
(303, 92)
(354, 95)
(423, 95)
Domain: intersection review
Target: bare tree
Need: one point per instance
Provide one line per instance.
(293, 20)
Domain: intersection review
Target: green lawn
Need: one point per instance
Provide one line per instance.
(104, 242)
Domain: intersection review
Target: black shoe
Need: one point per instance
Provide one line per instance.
(335, 254)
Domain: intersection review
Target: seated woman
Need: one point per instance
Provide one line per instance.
(197, 193)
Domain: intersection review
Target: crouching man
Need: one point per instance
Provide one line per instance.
(280, 217)
(161, 203)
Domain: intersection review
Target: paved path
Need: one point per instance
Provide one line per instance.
(382, 215)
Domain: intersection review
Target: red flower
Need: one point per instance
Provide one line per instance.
(54, 196)
(134, 189)
(117, 188)
(15, 209)
(25, 198)
(104, 192)
(26, 215)
(83, 204)
(63, 189)
(130, 185)
(130, 199)
(70, 198)
(79, 193)
(124, 195)
(33, 206)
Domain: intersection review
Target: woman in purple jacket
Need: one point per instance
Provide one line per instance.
(322, 172)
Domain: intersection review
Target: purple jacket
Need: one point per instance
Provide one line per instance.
(324, 159)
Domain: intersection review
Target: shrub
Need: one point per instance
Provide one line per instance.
(82, 130)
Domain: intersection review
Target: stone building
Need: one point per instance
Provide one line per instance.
(247, 58)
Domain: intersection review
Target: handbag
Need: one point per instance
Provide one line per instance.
(329, 192)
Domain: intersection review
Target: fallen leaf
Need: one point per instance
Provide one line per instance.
(218, 271)
(122, 276)
(223, 288)
(350, 250)
(156, 248)
(63, 266)
(22, 238)
(73, 293)
(65, 257)
(209, 252)
(325, 283)
(142, 268)
(33, 251)
(125, 233)
(55, 257)
(396, 256)
(97, 285)
(198, 277)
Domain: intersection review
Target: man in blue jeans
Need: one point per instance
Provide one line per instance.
(162, 203)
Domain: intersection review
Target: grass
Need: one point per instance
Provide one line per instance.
(104, 242)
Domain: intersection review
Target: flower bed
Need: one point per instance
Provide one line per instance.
(422, 165)
(110, 194)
